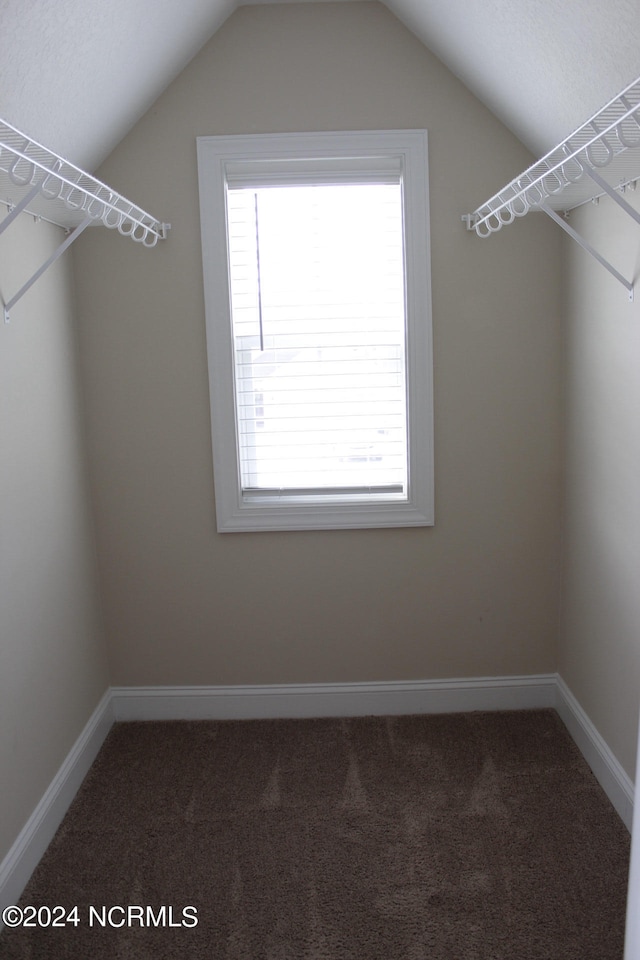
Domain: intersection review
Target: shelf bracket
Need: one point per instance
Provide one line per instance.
(16, 210)
(52, 259)
(587, 246)
(614, 194)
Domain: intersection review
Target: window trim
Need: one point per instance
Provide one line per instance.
(234, 514)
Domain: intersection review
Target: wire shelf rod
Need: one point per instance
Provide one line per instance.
(596, 144)
(10, 205)
(25, 165)
(28, 163)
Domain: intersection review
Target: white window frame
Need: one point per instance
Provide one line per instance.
(218, 155)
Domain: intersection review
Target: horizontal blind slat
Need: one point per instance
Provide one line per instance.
(317, 295)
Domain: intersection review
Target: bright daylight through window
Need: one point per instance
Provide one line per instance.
(317, 306)
(315, 254)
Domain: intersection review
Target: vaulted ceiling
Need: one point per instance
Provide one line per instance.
(77, 74)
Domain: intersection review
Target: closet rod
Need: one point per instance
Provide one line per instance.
(72, 197)
(598, 158)
(604, 145)
(70, 190)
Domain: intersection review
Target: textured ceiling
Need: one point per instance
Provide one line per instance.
(77, 74)
(542, 66)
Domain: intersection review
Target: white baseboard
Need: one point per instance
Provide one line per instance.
(607, 770)
(333, 699)
(39, 830)
(303, 700)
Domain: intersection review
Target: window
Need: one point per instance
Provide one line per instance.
(317, 297)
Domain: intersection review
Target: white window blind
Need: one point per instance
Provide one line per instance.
(318, 317)
(315, 256)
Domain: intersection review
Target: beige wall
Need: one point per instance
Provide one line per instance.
(599, 654)
(52, 661)
(476, 595)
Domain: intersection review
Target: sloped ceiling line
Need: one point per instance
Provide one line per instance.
(78, 74)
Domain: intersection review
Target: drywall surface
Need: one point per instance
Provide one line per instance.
(599, 655)
(476, 595)
(543, 68)
(52, 659)
(77, 74)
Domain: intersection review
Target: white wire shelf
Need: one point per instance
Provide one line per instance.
(63, 193)
(563, 178)
(598, 158)
(37, 181)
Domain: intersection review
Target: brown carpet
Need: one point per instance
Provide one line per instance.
(459, 837)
